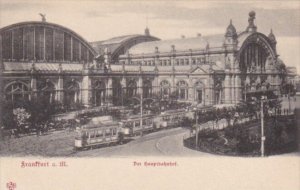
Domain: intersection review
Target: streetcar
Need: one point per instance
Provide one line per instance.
(132, 125)
(172, 118)
(104, 130)
(98, 132)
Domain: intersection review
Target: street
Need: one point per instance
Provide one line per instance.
(162, 143)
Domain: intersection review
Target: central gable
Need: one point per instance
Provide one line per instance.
(198, 70)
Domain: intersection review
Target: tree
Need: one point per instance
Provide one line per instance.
(6, 116)
(21, 117)
(227, 114)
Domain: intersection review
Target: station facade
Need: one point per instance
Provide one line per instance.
(41, 59)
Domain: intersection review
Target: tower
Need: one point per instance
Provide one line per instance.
(230, 36)
(272, 38)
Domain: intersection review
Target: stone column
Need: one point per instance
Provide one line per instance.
(238, 89)
(227, 89)
(86, 91)
(191, 90)
(33, 87)
(60, 88)
(210, 90)
(109, 91)
(123, 84)
(233, 88)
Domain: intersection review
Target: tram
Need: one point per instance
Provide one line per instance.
(132, 125)
(98, 132)
(105, 131)
(172, 118)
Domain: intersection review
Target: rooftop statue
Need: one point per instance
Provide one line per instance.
(43, 17)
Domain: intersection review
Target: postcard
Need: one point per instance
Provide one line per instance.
(149, 95)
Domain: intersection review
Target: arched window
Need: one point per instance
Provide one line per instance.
(165, 88)
(17, 93)
(147, 88)
(182, 90)
(98, 94)
(218, 91)
(117, 92)
(131, 88)
(199, 92)
(71, 95)
(46, 91)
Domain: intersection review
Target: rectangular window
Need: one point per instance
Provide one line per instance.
(99, 133)
(114, 131)
(107, 132)
(182, 93)
(59, 45)
(49, 44)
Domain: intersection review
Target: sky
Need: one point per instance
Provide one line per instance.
(101, 20)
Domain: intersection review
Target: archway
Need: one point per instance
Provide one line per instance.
(71, 95)
(131, 88)
(182, 90)
(199, 92)
(46, 91)
(98, 93)
(147, 88)
(257, 57)
(17, 92)
(165, 88)
(117, 93)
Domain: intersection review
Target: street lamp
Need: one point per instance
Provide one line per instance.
(141, 109)
(196, 113)
(263, 138)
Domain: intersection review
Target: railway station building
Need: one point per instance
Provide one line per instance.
(45, 59)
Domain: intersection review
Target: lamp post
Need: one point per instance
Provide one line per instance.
(263, 138)
(141, 110)
(196, 116)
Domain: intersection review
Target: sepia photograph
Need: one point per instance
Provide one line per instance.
(162, 79)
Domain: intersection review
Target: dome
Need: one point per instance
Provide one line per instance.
(231, 31)
(252, 14)
(271, 36)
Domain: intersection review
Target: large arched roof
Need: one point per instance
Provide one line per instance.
(184, 44)
(53, 26)
(245, 38)
(119, 45)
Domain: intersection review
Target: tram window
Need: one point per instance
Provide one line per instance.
(85, 134)
(99, 133)
(137, 123)
(128, 124)
(91, 134)
(114, 131)
(166, 118)
(107, 132)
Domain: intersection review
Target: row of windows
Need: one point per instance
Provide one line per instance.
(167, 62)
(100, 133)
(42, 43)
